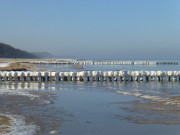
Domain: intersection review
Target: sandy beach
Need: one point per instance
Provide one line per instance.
(19, 65)
(29, 64)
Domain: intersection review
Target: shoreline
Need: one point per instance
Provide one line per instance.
(19, 65)
(29, 64)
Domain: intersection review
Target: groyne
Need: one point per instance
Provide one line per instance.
(98, 76)
(93, 62)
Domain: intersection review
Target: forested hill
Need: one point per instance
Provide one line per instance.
(7, 51)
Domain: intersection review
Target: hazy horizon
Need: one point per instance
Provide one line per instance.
(104, 29)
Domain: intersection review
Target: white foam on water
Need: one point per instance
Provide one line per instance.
(166, 101)
(19, 127)
(155, 98)
(17, 92)
(136, 94)
(4, 64)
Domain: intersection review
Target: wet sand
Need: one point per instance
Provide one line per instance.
(36, 108)
(78, 67)
(151, 109)
(27, 64)
(5, 124)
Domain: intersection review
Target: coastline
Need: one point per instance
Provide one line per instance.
(19, 65)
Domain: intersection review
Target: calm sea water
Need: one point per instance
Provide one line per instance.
(98, 108)
(66, 68)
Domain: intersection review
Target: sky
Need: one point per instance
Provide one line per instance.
(93, 29)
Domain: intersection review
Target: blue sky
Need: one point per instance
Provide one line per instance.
(93, 29)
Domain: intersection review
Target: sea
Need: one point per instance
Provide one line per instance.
(91, 108)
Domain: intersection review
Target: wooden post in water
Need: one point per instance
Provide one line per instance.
(62, 76)
(57, 76)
